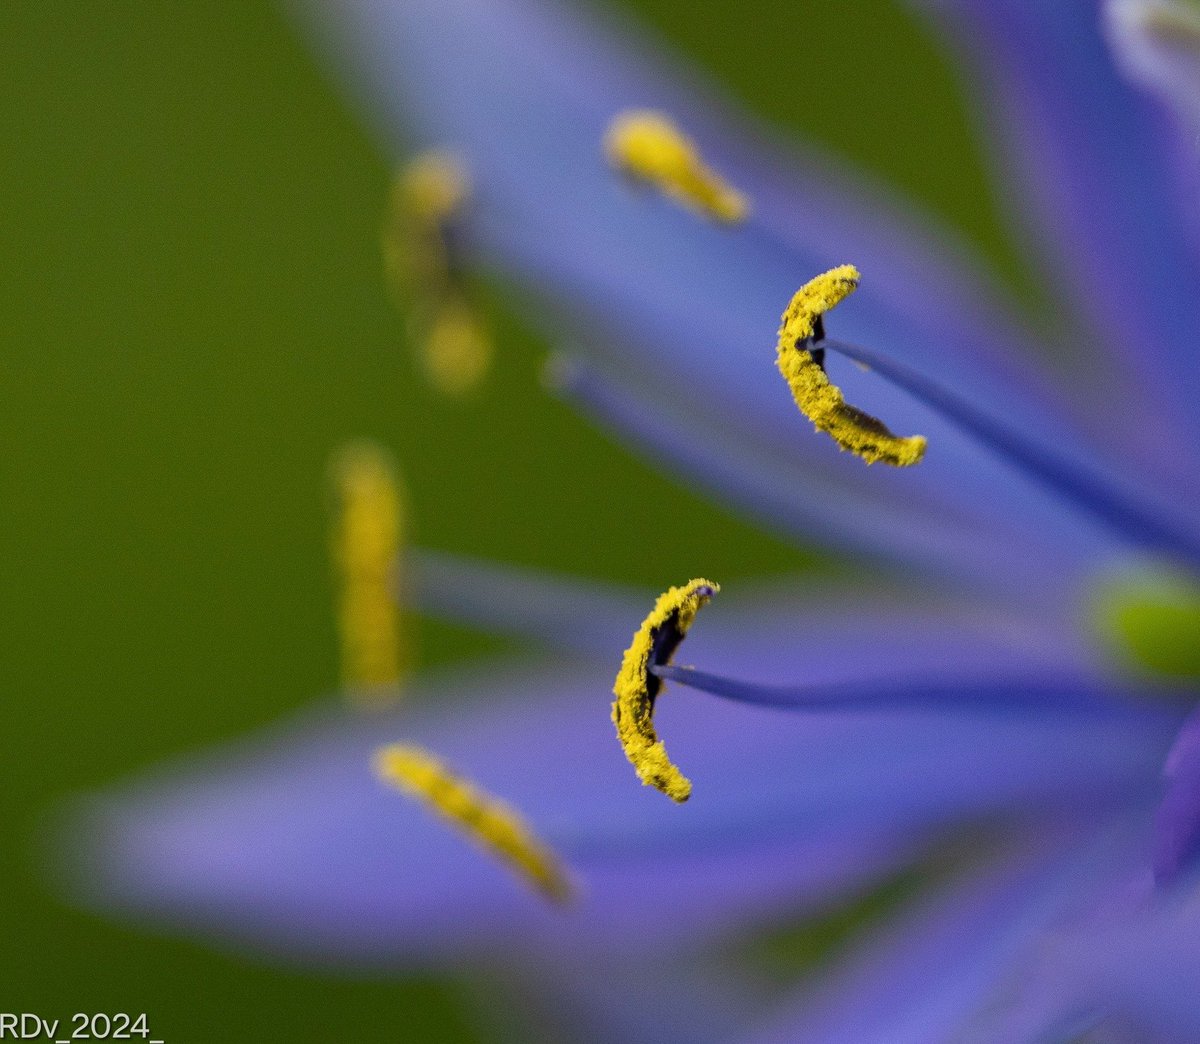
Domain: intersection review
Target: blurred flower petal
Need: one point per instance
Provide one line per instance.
(1158, 45)
(1095, 179)
(940, 972)
(1177, 827)
(568, 614)
(524, 90)
(288, 841)
(813, 502)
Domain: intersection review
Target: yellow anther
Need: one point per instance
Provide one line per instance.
(366, 543)
(456, 349)
(636, 686)
(821, 401)
(648, 147)
(433, 186)
(427, 201)
(493, 825)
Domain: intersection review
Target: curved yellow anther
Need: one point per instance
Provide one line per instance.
(821, 401)
(427, 200)
(648, 147)
(488, 821)
(636, 687)
(366, 542)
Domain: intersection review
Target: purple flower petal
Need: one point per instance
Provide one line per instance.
(524, 90)
(564, 614)
(1177, 826)
(1157, 43)
(1094, 175)
(948, 968)
(1138, 963)
(288, 842)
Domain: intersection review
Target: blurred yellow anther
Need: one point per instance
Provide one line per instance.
(427, 202)
(636, 686)
(366, 544)
(1170, 23)
(492, 824)
(647, 147)
(821, 401)
(456, 347)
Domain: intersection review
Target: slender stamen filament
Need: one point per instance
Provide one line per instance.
(647, 147)
(1046, 692)
(428, 200)
(366, 542)
(820, 400)
(637, 687)
(491, 823)
(1122, 505)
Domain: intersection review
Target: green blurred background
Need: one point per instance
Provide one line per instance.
(193, 317)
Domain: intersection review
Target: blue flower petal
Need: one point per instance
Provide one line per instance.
(811, 501)
(1095, 175)
(950, 967)
(525, 91)
(824, 630)
(288, 842)
(1144, 519)
(1177, 827)
(564, 614)
(1156, 44)
(1136, 964)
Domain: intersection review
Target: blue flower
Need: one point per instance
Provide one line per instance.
(958, 689)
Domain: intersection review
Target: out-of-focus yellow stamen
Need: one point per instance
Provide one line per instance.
(648, 147)
(427, 200)
(456, 348)
(366, 544)
(636, 687)
(820, 400)
(1173, 24)
(492, 824)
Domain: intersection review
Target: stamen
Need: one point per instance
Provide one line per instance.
(647, 147)
(1140, 515)
(365, 549)
(457, 350)
(493, 825)
(1047, 692)
(427, 202)
(821, 401)
(636, 687)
